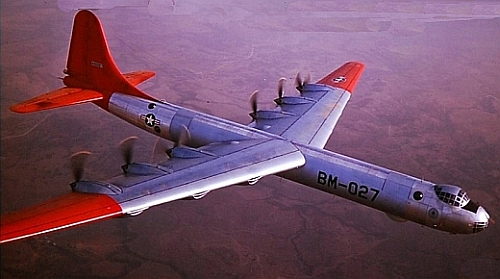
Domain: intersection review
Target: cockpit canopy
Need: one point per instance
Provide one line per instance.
(452, 195)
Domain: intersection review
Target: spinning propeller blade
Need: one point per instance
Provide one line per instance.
(183, 138)
(253, 103)
(127, 147)
(77, 161)
(300, 83)
(281, 91)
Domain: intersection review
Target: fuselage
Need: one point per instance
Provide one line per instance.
(400, 196)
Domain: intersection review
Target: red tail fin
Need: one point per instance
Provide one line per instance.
(90, 62)
(92, 75)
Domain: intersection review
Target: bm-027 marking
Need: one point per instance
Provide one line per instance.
(212, 153)
(351, 187)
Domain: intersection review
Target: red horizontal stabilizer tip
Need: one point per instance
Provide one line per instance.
(138, 77)
(346, 77)
(65, 96)
(59, 213)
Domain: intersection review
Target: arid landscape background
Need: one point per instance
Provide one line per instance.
(428, 104)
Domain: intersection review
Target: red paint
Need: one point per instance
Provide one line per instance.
(138, 77)
(69, 210)
(90, 61)
(346, 77)
(58, 98)
(92, 75)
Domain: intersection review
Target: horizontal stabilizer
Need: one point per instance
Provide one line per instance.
(138, 77)
(62, 97)
(66, 211)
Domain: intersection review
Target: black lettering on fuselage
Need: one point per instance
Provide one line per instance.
(322, 177)
(353, 188)
(327, 179)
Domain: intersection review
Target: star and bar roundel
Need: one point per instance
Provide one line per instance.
(150, 120)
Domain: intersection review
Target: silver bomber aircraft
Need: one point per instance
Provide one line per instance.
(212, 153)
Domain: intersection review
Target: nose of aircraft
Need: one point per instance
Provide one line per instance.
(481, 220)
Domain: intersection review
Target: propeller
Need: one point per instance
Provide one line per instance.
(127, 147)
(159, 150)
(281, 91)
(78, 160)
(300, 83)
(183, 137)
(253, 103)
(65, 72)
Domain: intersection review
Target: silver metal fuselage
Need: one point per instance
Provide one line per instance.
(400, 196)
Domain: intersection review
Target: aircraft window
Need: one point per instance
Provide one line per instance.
(151, 106)
(471, 206)
(451, 195)
(418, 195)
(479, 226)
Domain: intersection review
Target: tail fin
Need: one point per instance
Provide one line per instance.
(92, 75)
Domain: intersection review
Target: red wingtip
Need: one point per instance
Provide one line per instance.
(346, 77)
(59, 213)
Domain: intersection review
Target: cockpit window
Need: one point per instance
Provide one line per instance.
(451, 195)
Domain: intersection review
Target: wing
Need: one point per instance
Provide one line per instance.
(311, 117)
(191, 173)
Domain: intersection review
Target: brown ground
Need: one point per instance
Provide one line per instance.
(428, 105)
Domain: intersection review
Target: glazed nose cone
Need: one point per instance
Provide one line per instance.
(481, 220)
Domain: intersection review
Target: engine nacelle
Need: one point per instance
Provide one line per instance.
(144, 169)
(95, 187)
